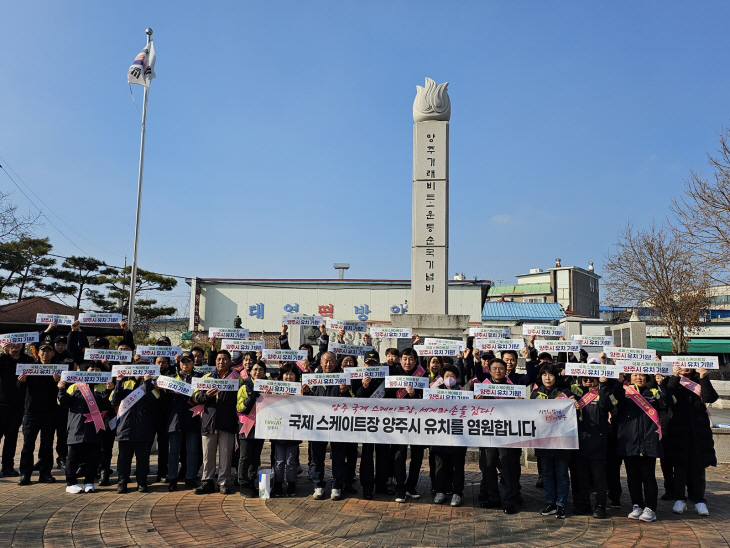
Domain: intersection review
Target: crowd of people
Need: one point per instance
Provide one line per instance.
(633, 420)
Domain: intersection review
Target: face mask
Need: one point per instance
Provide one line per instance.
(450, 382)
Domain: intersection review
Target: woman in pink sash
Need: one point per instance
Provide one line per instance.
(689, 436)
(639, 439)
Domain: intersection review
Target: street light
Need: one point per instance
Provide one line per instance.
(341, 267)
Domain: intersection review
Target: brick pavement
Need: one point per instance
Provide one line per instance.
(44, 515)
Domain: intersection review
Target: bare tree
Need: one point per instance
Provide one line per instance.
(655, 269)
(13, 226)
(702, 212)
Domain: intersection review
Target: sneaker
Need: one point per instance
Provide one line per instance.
(291, 489)
(648, 515)
(456, 500)
(142, 489)
(560, 512)
(600, 512)
(439, 498)
(318, 493)
(400, 499)
(88, 488)
(205, 488)
(636, 512)
(122, 488)
(74, 489)
(226, 490)
(9, 473)
(549, 510)
(24, 480)
(413, 494)
(701, 509)
(47, 479)
(336, 494)
(680, 507)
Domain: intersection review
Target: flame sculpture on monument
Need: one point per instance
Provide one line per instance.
(432, 102)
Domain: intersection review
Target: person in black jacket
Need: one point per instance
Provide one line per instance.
(161, 430)
(41, 408)
(83, 438)
(11, 406)
(219, 427)
(593, 402)
(350, 448)
(286, 452)
(250, 445)
(406, 484)
(639, 439)
(182, 427)
(689, 436)
(328, 364)
(135, 428)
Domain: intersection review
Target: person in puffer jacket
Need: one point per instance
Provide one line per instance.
(249, 444)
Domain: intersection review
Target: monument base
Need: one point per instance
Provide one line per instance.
(454, 326)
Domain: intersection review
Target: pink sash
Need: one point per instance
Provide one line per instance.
(248, 421)
(417, 373)
(645, 406)
(94, 415)
(587, 398)
(436, 381)
(691, 385)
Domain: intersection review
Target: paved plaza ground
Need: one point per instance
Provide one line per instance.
(44, 515)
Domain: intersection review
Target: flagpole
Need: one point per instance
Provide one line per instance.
(133, 279)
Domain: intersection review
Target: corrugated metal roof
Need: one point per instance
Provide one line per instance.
(530, 289)
(522, 311)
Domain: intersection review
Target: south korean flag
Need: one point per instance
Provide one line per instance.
(143, 67)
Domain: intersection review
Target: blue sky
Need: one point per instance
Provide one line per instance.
(279, 135)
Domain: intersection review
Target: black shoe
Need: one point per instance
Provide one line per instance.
(226, 490)
(60, 463)
(24, 480)
(142, 488)
(367, 496)
(192, 483)
(278, 489)
(549, 510)
(385, 491)
(104, 478)
(600, 512)
(483, 496)
(205, 488)
(172, 485)
(668, 496)
(581, 510)
(349, 488)
(520, 499)
(37, 466)
(615, 504)
(9, 473)
(291, 489)
(560, 514)
(47, 479)
(510, 510)
(491, 504)
(122, 488)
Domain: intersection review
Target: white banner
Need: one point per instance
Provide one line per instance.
(593, 340)
(88, 377)
(404, 381)
(146, 352)
(175, 385)
(136, 370)
(374, 372)
(302, 319)
(207, 383)
(100, 354)
(693, 362)
(543, 330)
(99, 318)
(352, 326)
(228, 332)
(500, 390)
(618, 353)
(436, 350)
(445, 394)
(386, 332)
(242, 346)
(37, 369)
(484, 345)
(341, 349)
(431, 341)
(326, 379)
(278, 355)
(490, 332)
(592, 370)
(557, 346)
(547, 424)
(277, 387)
(648, 367)
(60, 319)
(19, 338)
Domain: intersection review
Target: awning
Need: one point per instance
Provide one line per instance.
(696, 346)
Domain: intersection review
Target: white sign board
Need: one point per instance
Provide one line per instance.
(242, 346)
(647, 367)
(619, 353)
(374, 372)
(278, 355)
(557, 346)
(101, 354)
(341, 349)
(204, 369)
(386, 332)
(99, 318)
(693, 362)
(37, 369)
(147, 352)
(543, 330)
(302, 319)
(490, 332)
(206, 383)
(436, 350)
(500, 390)
(277, 387)
(592, 370)
(484, 345)
(136, 370)
(445, 394)
(87, 377)
(460, 345)
(60, 319)
(19, 338)
(175, 385)
(228, 332)
(326, 379)
(352, 326)
(593, 340)
(401, 381)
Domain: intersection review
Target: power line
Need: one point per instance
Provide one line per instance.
(51, 210)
